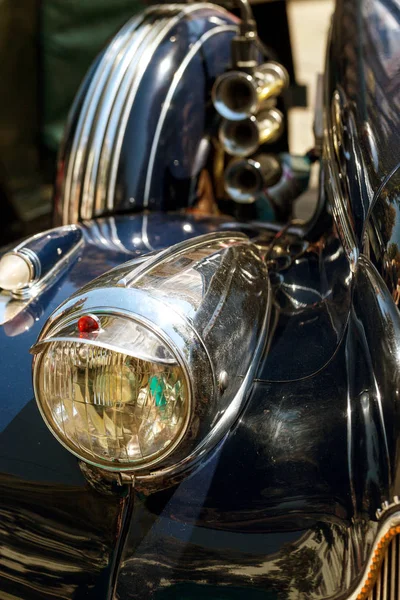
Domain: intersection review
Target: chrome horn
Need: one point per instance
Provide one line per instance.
(242, 138)
(237, 95)
(245, 179)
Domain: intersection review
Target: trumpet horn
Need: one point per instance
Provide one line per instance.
(242, 138)
(245, 178)
(237, 95)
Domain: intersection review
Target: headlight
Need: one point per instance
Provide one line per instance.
(110, 407)
(146, 368)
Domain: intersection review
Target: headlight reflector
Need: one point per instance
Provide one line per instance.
(111, 408)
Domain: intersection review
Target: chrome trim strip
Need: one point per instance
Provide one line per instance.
(393, 576)
(99, 153)
(337, 204)
(150, 37)
(391, 521)
(128, 101)
(41, 280)
(168, 99)
(336, 199)
(145, 237)
(38, 287)
(71, 209)
(98, 138)
(31, 257)
(385, 576)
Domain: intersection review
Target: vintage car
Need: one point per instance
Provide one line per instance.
(213, 409)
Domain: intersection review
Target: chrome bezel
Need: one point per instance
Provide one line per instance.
(105, 464)
(178, 336)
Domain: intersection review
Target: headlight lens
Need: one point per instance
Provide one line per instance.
(108, 407)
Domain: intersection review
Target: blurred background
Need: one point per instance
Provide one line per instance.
(46, 48)
(308, 22)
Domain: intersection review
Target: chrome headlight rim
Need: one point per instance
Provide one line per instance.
(38, 350)
(214, 409)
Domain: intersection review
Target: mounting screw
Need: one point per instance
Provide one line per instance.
(223, 381)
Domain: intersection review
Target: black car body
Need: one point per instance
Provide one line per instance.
(298, 494)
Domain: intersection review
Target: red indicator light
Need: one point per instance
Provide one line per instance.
(88, 323)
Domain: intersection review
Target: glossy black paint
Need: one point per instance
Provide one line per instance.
(363, 58)
(60, 537)
(286, 502)
(312, 301)
(180, 153)
(166, 140)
